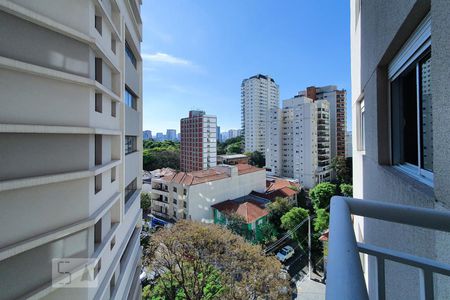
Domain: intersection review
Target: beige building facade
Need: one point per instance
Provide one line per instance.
(70, 146)
(400, 114)
(181, 195)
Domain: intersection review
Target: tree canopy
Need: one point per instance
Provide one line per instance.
(206, 261)
(321, 222)
(321, 194)
(256, 158)
(277, 209)
(342, 168)
(231, 146)
(346, 190)
(291, 219)
(158, 155)
(145, 201)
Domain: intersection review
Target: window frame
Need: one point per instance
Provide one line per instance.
(417, 47)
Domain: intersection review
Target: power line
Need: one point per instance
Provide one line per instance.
(288, 233)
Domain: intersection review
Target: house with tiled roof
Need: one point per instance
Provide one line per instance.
(253, 213)
(282, 188)
(190, 195)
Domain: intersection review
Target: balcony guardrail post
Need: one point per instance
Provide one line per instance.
(426, 284)
(381, 278)
(345, 278)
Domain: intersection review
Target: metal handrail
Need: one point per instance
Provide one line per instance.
(345, 277)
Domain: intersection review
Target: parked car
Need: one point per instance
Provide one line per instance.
(285, 253)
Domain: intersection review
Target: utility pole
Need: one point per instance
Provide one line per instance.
(309, 247)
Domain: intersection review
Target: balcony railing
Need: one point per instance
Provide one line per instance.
(345, 277)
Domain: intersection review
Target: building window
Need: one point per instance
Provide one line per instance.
(362, 126)
(130, 98)
(98, 24)
(113, 109)
(98, 183)
(174, 201)
(98, 69)
(113, 45)
(130, 54)
(174, 189)
(98, 102)
(113, 174)
(411, 106)
(130, 144)
(130, 189)
(98, 149)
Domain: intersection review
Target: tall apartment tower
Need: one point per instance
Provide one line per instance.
(337, 99)
(198, 142)
(70, 149)
(299, 146)
(171, 135)
(259, 94)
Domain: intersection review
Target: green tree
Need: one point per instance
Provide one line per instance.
(346, 190)
(339, 165)
(237, 225)
(268, 233)
(256, 159)
(145, 201)
(291, 219)
(321, 222)
(196, 282)
(207, 261)
(237, 142)
(321, 194)
(277, 209)
(234, 148)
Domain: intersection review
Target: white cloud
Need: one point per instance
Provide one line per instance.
(166, 58)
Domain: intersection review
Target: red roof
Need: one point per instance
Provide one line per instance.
(249, 210)
(278, 188)
(212, 174)
(279, 184)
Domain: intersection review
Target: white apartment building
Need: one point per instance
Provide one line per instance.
(337, 99)
(198, 148)
(70, 148)
(299, 145)
(259, 94)
(181, 195)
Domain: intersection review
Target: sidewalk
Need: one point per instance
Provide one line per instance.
(311, 289)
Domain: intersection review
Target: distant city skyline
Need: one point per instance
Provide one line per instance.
(195, 58)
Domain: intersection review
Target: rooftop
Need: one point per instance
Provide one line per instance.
(250, 210)
(203, 176)
(232, 156)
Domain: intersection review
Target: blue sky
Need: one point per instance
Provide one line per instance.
(197, 52)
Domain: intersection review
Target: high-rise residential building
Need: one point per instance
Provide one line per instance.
(147, 135)
(224, 136)
(160, 137)
(299, 146)
(218, 134)
(348, 144)
(259, 94)
(171, 135)
(401, 153)
(233, 133)
(190, 195)
(198, 149)
(337, 100)
(71, 149)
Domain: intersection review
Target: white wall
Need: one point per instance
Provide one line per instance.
(202, 196)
